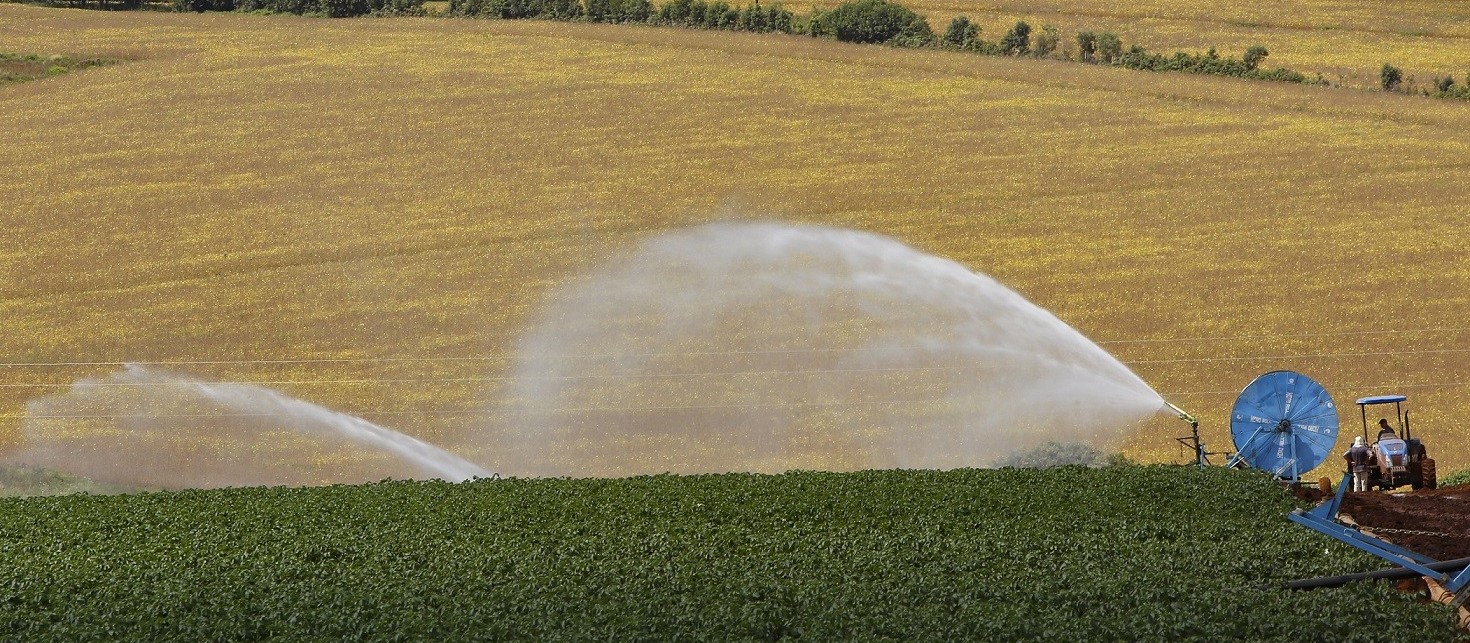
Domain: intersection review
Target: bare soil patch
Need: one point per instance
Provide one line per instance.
(1443, 513)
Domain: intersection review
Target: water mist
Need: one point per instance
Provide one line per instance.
(143, 428)
(767, 347)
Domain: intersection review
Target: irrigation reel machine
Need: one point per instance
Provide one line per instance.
(1286, 423)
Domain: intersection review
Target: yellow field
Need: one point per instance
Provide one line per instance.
(1347, 41)
(257, 188)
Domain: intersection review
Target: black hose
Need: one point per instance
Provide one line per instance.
(1385, 574)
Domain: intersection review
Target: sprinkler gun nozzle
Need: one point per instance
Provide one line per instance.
(1183, 415)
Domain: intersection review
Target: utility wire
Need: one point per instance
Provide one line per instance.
(594, 409)
(507, 378)
(1299, 356)
(828, 371)
(486, 411)
(1370, 386)
(794, 351)
(1288, 336)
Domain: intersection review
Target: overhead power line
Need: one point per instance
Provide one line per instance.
(1227, 338)
(483, 411)
(1382, 387)
(793, 351)
(675, 375)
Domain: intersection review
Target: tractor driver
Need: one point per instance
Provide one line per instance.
(1358, 463)
(1383, 428)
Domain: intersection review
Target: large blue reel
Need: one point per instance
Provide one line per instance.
(1283, 422)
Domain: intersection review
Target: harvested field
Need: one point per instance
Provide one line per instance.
(401, 195)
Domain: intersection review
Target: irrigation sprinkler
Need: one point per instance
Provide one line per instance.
(1192, 441)
(1283, 422)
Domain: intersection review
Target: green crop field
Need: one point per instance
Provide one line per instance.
(1119, 553)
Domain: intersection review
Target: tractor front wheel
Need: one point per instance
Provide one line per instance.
(1427, 474)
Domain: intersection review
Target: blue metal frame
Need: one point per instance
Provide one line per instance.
(1323, 518)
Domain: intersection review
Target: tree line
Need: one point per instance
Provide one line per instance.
(878, 22)
(858, 21)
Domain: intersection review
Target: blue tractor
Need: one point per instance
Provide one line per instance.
(1397, 458)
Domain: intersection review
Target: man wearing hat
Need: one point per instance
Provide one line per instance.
(1358, 461)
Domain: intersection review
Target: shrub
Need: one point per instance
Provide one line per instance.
(203, 5)
(279, 6)
(1279, 74)
(398, 7)
(721, 16)
(1086, 46)
(752, 18)
(1017, 41)
(762, 19)
(870, 21)
(556, 9)
(961, 33)
(1045, 42)
(1054, 454)
(512, 9)
(1210, 63)
(916, 34)
(632, 11)
(1444, 85)
(622, 10)
(1390, 77)
(1254, 56)
(1109, 47)
(343, 8)
(674, 12)
(779, 19)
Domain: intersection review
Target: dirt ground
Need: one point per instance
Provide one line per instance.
(1444, 512)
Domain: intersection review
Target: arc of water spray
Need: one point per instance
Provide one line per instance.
(433, 460)
(222, 447)
(867, 309)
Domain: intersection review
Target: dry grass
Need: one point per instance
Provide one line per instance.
(1345, 41)
(265, 187)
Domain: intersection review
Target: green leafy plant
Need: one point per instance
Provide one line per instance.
(1065, 553)
(1455, 479)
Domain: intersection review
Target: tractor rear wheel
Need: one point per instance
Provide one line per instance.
(1427, 474)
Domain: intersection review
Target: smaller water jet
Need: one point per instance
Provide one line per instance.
(147, 429)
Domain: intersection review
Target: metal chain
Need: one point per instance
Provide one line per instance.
(1412, 532)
